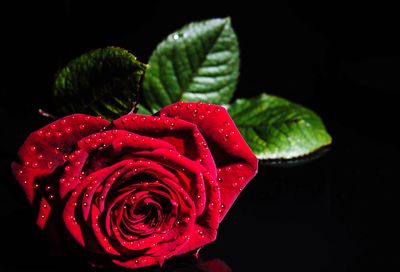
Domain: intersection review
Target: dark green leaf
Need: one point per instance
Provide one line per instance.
(103, 82)
(199, 62)
(277, 129)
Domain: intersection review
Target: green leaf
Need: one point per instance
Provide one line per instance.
(104, 82)
(277, 129)
(199, 62)
(142, 110)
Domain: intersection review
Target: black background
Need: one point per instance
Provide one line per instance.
(336, 213)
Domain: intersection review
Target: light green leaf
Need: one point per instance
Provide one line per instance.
(142, 110)
(104, 82)
(199, 62)
(277, 129)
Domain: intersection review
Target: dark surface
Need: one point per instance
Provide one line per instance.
(336, 213)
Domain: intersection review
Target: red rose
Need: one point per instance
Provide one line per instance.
(140, 189)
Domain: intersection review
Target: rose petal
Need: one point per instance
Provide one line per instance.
(184, 136)
(43, 152)
(235, 161)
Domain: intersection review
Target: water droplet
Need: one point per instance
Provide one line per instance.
(220, 130)
(85, 204)
(44, 206)
(51, 197)
(48, 188)
(201, 116)
(221, 210)
(234, 185)
(211, 205)
(175, 36)
(33, 148)
(39, 157)
(42, 216)
(68, 130)
(217, 110)
(219, 179)
(48, 134)
(67, 168)
(136, 261)
(82, 127)
(196, 134)
(227, 124)
(226, 136)
(50, 164)
(40, 133)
